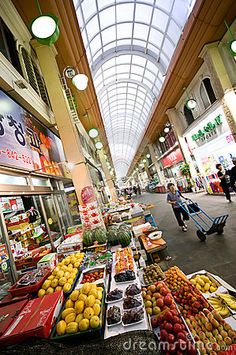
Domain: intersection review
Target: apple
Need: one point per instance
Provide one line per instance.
(177, 328)
(149, 310)
(164, 291)
(228, 341)
(181, 335)
(153, 299)
(171, 338)
(224, 333)
(169, 327)
(208, 326)
(181, 345)
(154, 322)
(191, 349)
(157, 295)
(156, 310)
(163, 334)
(168, 300)
(160, 302)
(169, 316)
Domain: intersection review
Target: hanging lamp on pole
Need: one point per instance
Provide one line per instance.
(44, 27)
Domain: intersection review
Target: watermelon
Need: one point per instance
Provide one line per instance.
(88, 238)
(112, 236)
(99, 235)
(124, 227)
(124, 238)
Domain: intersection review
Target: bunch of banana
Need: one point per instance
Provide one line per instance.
(219, 305)
(229, 300)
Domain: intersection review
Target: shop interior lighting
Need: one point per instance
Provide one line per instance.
(162, 139)
(141, 165)
(148, 156)
(93, 133)
(98, 145)
(144, 160)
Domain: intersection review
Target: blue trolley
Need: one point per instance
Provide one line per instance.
(205, 224)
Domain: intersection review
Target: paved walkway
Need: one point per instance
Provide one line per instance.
(217, 254)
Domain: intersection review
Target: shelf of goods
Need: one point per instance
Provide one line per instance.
(182, 313)
(123, 263)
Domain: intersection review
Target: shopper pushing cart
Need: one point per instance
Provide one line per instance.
(184, 210)
(175, 200)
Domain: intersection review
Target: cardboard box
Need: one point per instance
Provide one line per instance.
(9, 312)
(35, 320)
(50, 261)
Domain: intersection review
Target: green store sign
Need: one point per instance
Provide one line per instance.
(208, 128)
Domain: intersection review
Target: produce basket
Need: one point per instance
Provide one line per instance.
(141, 273)
(210, 277)
(16, 290)
(88, 334)
(90, 271)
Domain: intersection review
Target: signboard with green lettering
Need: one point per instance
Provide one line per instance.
(208, 129)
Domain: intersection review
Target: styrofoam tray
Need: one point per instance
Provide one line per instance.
(129, 325)
(115, 301)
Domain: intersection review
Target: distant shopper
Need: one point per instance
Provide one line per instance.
(135, 190)
(139, 189)
(174, 199)
(224, 180)
(233, 175)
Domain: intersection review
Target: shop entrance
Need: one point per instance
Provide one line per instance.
(31, 226)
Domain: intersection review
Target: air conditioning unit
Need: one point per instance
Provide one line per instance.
(21, 84)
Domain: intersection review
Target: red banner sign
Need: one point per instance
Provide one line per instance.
(172, 158)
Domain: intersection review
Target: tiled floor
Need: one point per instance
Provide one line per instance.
(217, 254)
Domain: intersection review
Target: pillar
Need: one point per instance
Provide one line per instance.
(222, 83)
(109, 182)
(156, 164)
(69, 136)
(178, 130)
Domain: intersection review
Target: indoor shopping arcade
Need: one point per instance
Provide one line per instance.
(118, 177)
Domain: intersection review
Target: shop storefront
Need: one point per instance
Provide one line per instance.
(211, 142)
(171, 163)
(34, 210)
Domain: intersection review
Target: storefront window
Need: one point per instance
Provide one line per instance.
(13, 180)
(40, 182)
(5, 269)
(51, 213)
(63, 212)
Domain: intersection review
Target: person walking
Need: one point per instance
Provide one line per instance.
(233, 175)
(174, 199)
(224, 180)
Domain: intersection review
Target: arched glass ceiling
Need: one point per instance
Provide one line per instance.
(129, 45)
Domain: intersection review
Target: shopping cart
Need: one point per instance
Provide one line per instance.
(205, 224)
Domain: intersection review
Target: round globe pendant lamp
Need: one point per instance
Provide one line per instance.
(45, 29)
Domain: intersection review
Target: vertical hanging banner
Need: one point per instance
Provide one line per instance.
(25, 143)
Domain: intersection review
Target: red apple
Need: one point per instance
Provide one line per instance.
(177, 328)
(168, 300)
(163, 291)
(181, 335)
(163, 334)
(181, 345)
(154, 321)
(169, 316)
(168, 327)
(160, 302)
(171, 338)
(176, 319)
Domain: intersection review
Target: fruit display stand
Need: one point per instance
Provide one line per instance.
(222, 298)
(82, 315)
(152, 247)
(29, 283)
(120, 328)
(64, 276)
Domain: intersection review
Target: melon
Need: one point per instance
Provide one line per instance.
(112, 236)
(99, 235)
(124, 238)
(87, 238)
